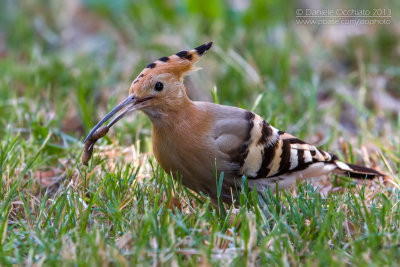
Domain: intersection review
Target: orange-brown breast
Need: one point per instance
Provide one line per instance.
(181, 146)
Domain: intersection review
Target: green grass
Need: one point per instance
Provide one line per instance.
(62, 68)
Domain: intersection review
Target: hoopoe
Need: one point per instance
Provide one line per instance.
(197, 141)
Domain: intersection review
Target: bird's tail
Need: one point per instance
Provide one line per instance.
(356, 171)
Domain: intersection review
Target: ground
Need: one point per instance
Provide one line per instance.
(65, 64)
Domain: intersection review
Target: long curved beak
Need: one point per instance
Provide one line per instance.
(128, 106)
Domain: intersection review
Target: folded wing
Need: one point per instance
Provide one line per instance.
(262, 151)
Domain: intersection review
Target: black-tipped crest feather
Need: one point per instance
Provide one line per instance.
(202, 49)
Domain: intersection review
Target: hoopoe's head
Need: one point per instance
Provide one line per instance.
(158, 86)
(161, 82)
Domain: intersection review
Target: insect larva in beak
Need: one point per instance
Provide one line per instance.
(88, 150)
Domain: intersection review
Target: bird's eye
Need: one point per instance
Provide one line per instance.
(159, 86)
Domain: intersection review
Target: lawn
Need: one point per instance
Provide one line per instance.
(65, 64)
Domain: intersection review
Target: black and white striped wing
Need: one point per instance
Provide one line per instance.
(258, 150)
(270, 153)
